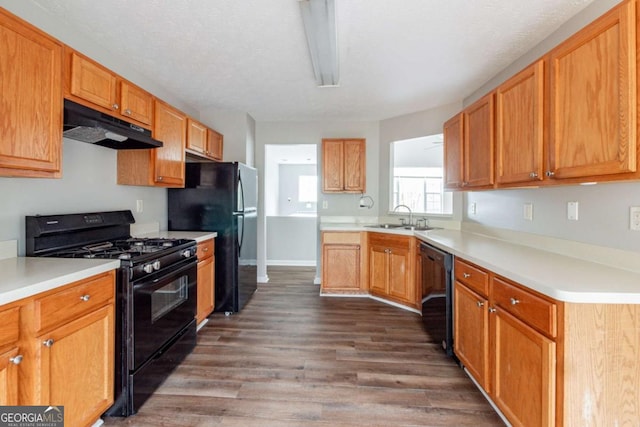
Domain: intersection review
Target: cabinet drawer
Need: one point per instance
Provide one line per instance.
(390, 240)
(205, 249)
(341, 238)
(60, 307)
(472, 276)
(9, 326)
(531, 309)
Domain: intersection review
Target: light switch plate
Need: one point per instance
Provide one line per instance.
(527, 212)
(634, 218)
(572, 211)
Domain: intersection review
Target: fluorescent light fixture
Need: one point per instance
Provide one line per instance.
(319, 18)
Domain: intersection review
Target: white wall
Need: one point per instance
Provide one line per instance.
(604, 208)
(238, 129)
(289, 239)
(88, 184)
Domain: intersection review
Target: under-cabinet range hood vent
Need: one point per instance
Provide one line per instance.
(87, 125)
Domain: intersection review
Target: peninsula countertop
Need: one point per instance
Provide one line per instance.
(558, 276)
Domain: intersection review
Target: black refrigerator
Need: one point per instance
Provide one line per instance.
(222, 197)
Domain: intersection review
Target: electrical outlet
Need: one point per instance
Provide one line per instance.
(473, 208)
(634, 218)
(572, 211)
(139, 206)
(325, 204)
(528, 211)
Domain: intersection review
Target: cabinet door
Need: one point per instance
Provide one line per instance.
(520, 126)
(76, 369)
(31, 100)
(354, 165)
(453, 152)
(471, 332)
(170, 127)
(94, 83)
(400, 283)
(593, 99)
(332, 166)
(378, 269)
(205, 289)
(9, 361)
(137, 104)
(340, 267)
(479, 143)
(216, 144)
(524, 368)
(196, 136)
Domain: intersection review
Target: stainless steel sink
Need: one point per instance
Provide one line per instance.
(402, 226)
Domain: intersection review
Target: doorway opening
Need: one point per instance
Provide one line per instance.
(291, 196)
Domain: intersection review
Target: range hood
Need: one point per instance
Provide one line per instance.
(87, 125)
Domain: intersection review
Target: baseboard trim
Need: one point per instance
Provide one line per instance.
(486, 396)
(263, 279)
(291, 263)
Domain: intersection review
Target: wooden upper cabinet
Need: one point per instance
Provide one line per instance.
(164, 166)
(453, 132)
(136, 103)
(91, 84)
(520, 127)
(31, 99)
(215, 142)
(196, 136)
(343, 165)
(593, 99)
(479, 143)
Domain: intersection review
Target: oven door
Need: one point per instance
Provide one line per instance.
(162, 305)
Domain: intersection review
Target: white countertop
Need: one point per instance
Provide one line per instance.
(561, 277)
(22, 277)
(198, 236)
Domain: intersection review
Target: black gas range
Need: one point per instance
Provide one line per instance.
(155, 294)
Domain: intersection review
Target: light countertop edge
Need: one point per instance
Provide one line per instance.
(198, 236)
(23, 277)
(561, 277)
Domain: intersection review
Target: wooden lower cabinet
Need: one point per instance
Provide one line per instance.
(342, 263)
(206, 280)
(392, 268)
(471, 332)
(57, 348)
(524, 363)
(76, 367)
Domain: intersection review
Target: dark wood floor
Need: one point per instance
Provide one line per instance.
(292, 358)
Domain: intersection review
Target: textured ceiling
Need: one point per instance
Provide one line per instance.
(396, 56)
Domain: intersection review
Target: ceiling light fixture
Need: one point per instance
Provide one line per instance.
(319, 18)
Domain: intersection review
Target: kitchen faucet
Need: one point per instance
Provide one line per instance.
(410, 213)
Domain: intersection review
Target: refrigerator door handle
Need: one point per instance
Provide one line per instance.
(240, 235)
(240, 192)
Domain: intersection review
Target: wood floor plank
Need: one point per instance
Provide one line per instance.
(292, 358)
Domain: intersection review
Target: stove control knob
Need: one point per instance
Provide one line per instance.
(156, 265)
(186, 253)
(147, 268)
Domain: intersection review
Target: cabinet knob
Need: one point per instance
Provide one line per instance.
(550, 174)
(16, 359)
(533, 175)
(515, 301)
(127, 112)
(479, 303)
(48, 343)
(492, 310)
(466, 275)
(159, 178)
(205, 249)
(115, 106)
(85, 297)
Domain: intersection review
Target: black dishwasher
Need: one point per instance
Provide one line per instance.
(437, 315)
